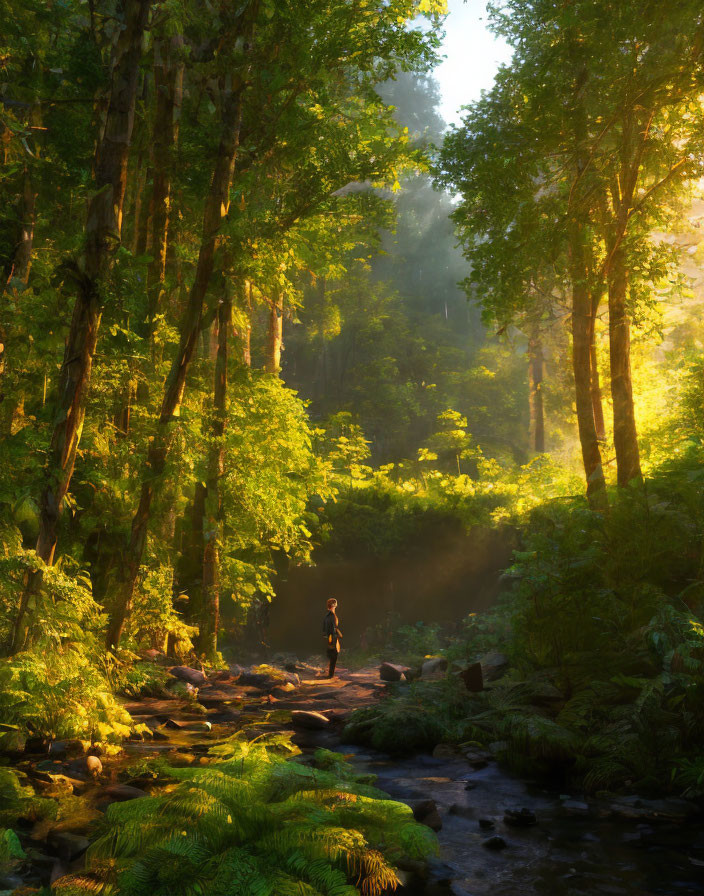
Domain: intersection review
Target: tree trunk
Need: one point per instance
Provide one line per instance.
(578, 229)
(213, 518)
(23, 251)
(597, 404)
(246, 334)
(168, 86)
(274, 335)
(102, 231)
(581, 365)
(216, 207)
(625, 433)
(537, 414)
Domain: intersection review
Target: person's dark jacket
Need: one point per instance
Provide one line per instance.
(331, 631)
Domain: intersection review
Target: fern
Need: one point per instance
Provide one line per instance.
(257, 822)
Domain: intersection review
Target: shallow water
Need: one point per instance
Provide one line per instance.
(561, 855)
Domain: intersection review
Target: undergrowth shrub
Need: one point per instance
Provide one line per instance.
(603, 627)
(428, 714)
(255, 822)
(61, 693)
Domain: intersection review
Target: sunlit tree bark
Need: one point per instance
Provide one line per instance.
(275, 334)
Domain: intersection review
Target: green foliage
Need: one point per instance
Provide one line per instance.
(260, 823)
(60, 692)
(10, 850)
(17, 800)
(411, 722)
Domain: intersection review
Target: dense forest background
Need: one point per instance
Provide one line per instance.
(261, 308)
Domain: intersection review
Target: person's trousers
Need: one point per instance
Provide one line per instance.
(332, 657)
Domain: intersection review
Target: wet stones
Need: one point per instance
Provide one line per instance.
(495, 843)
(120, 793)
(433, 667)
(309, 720)
(493, 664)
(194, 677)
(426, 812)
(392, 671)
(94, 766)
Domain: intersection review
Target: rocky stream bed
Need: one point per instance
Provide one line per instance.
(498, 834)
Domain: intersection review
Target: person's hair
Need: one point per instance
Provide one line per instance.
(331, 602)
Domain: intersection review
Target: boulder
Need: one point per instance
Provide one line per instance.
(486, 824)
(220, 675)
(313, 721)
(120, 793)
(436, 665)
(181, 689)
(194, 677)
(175, 724)
(61, 748)
(392, 671)
(495, 843)
(260, 680)
(477, 758)
(473, 678)
(493, 664)
(94, 766)
(426, 812)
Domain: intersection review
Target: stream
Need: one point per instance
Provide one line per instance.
(544, 843)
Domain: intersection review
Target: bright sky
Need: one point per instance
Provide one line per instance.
(473, 57)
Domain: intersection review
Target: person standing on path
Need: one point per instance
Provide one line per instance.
(332, 636)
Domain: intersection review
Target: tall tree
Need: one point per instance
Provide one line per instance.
(102, 237)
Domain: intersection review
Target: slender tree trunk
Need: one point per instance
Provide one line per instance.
(581, 304)
(102, 231)
(17, 268)
(212, 521)
(625, 433)
(168, 86)
(143, 222)
(23, 251)
(274, 335)
(246, 333)
(597, 403)
(537, 413)
(139, 186)
(215, 210)
(581, 365)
